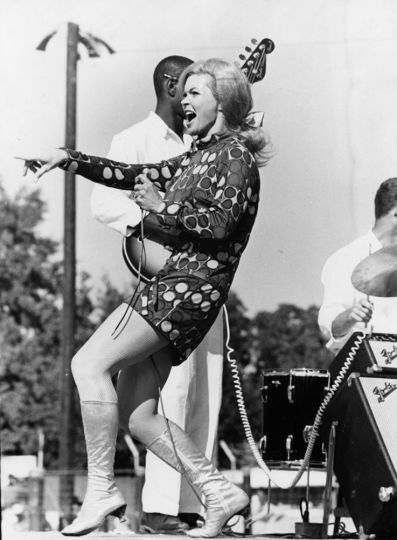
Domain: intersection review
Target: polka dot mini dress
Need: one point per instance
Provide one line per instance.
(211, 197)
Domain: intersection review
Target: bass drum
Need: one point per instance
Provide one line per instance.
(290, 403)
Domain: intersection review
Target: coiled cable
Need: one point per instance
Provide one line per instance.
(314, 431)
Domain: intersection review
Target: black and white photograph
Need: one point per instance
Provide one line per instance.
(198, 269)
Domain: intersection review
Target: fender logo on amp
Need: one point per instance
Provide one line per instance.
(382, 393)
(389, 355)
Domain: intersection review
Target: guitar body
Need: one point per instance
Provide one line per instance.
(153, 258)
(155, 254)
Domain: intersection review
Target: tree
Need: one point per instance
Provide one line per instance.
(30, 299)
(288, 338)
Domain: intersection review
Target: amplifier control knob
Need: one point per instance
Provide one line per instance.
(386, 493)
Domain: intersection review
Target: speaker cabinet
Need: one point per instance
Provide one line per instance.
(365, 465)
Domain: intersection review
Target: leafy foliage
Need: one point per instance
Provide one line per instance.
(288, 338)
(30, 288)
(31, 303)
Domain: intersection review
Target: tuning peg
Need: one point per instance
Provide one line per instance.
(254, 41)
(248, 49)
(269, 45)
(241, 56)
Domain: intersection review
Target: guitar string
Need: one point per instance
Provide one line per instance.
(252, 72)
(251, 68)
(261, 56)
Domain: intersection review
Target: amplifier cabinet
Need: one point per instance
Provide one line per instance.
(376, 354)
(365, 464)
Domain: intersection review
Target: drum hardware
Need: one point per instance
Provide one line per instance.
(304, 509)
(288, 446)
(291, 389)
(306, 528)
(266, 390)
(307, 430)
(262, 443)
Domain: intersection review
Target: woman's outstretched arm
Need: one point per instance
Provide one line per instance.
(102, 170)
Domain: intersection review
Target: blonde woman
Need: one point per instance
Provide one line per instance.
(207, 213)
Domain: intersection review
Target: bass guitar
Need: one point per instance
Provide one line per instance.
(155, 254)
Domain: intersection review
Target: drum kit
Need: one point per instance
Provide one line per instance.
(291, 398)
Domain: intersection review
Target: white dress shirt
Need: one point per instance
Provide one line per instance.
(149, 141)
(339, 293)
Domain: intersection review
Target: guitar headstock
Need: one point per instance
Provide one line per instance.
(254, 66)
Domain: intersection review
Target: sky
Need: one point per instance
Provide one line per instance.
(328, 97)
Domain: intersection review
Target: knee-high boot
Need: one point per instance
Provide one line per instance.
(222, 498)
(102, 498)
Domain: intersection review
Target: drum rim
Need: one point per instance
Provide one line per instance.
(299, 372)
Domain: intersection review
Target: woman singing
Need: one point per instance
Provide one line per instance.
(209, 207)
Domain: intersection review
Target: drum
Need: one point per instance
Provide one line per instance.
(290, 403)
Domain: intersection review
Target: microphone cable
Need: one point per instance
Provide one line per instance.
(317, 422)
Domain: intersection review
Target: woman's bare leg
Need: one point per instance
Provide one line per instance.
(104, 354)
(138, 388)
(92, 368)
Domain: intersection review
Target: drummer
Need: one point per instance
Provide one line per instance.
(344, 309)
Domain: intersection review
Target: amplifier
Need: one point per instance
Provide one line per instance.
(365, 462)
(375, 354)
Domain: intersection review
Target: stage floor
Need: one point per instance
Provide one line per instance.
(53, 535)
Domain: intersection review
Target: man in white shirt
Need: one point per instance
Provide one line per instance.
(344, 309)
(193, 392)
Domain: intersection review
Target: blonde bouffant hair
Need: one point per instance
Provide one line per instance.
(232, 91)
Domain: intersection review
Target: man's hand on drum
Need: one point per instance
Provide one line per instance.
(146, 195)
(42, 162)
(362, 311)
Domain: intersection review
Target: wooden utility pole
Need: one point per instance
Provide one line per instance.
(92, 45)
(66, 438)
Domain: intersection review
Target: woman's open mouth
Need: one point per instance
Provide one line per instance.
(189, 116)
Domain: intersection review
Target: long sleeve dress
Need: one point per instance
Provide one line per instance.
(211, 202)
